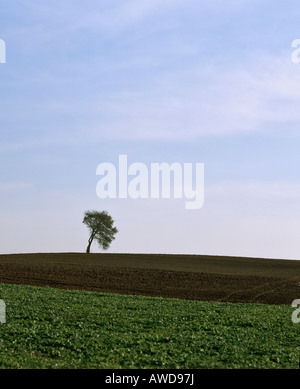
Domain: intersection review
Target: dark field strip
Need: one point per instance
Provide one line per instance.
(72, 272)
(188, 263)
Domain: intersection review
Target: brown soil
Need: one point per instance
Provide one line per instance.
(227, 279)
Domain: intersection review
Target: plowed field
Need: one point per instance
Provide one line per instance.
(210, 278)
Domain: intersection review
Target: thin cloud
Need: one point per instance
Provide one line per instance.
(9, 187)
(254, 189)
(197, 102)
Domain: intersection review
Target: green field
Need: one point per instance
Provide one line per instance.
(55, 328)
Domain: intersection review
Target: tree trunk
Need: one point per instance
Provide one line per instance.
(88, 248)
(90, 243)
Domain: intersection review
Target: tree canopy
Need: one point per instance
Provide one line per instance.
(100, 225)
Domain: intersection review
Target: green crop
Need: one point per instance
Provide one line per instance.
(56, 328)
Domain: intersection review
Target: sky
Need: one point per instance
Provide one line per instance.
(174, 81)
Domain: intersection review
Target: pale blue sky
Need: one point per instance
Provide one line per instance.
(160, 81)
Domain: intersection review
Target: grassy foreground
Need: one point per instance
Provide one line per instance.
(55, 328)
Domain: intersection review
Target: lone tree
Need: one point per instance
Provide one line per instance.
(100, 225)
